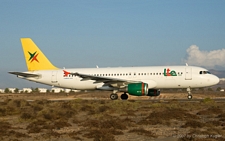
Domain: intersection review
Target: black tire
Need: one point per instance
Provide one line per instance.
(124, 96)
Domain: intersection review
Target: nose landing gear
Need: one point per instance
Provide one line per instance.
(189, 93)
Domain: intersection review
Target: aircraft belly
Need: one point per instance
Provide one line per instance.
(170, 82)
(77, 84)
(85, 85)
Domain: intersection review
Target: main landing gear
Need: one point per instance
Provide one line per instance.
(114, 96)
(189, 93)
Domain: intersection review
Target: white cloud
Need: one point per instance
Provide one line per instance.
(210, 59)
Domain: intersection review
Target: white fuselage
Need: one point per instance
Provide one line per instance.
(157, 77)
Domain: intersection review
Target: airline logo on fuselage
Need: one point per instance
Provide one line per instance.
(33, 56)
(66, 73)
(167, 72)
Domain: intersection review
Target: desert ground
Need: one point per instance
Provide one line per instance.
(88, 116)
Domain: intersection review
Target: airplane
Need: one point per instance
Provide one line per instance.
(136, 81)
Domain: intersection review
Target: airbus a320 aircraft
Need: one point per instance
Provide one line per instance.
(137, 81)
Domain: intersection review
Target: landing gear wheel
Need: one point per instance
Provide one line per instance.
(189, 93)
(124, 96)
(189, 96)
(113, 96)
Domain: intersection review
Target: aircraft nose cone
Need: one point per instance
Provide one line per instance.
(216, 80)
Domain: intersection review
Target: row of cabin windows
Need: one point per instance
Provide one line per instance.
(126, 74)
(129, 74)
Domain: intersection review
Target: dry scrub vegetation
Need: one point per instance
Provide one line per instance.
(106, 120)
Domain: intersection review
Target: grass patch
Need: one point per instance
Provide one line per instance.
(102, 134)
(164, 116)
(193, 124)
(208, 100)
(114, 123)
(210, 111)
(142, 131)
(6, 131)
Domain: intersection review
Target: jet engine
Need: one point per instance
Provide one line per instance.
(140, 89)
(137, 89)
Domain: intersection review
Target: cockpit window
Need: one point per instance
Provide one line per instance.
(204, 72)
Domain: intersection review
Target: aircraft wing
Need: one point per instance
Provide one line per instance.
(114, 82)
(24, 74)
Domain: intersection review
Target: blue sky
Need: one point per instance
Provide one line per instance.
(112, 33)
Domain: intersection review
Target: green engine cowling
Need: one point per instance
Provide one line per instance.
(153, 92)
(137, 89)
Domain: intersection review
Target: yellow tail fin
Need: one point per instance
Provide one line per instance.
(35, 59)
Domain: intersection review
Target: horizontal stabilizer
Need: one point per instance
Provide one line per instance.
(24, 74)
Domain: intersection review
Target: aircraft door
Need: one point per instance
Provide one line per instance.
(188, 73)
(54, 77)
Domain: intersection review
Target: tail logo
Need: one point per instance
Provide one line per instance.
(33, 57)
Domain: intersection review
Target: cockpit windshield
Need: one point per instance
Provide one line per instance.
(204, 72)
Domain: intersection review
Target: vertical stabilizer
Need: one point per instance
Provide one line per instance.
(35, 59)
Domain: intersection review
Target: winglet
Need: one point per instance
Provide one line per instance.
(35, 59)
